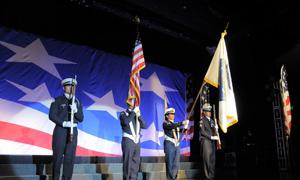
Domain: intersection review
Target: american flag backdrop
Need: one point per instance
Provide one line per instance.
(31, 69)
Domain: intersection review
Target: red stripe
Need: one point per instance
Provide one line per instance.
(141, 65)
(138, 68)
(186, 154)
(134, 84)
(34, 137)
(287, 101)
(138, 58)
(190, 130)
(21, 134)
(25, 135)
(137, 51)
(290, 124)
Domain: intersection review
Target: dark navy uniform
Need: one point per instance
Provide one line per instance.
(63, 150)
(172, 147)
(131, 143)
(208, 147)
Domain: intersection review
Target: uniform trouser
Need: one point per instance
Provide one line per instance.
(131, 159)
(208, 153)
(172, 158)
(63, 150)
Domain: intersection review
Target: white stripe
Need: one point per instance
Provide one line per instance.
(98, 144)
(138, 47)
(138, 55)
(16, 148)
(142, 60)
(135, 77)
(31, 118)
(151, 152)
(19, 114)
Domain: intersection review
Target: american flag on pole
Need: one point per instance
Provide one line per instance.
(286, 102)
(218, 75)
(138, 63)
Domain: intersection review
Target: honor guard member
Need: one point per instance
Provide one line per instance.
(207, 142)
(60, 113)
(131, 122)
(172, 132)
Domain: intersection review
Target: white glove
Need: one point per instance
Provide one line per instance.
(185, 123)
(138, 114)
(68, 124)
(214, 138)
(137, 111)
(74, 107)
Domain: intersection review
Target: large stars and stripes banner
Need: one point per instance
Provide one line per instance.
(31, 69)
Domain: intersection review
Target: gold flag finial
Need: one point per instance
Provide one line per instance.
(224, 33)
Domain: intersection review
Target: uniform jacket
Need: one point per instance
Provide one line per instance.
(60, 111)
(206, 128)
(168, 127)
(129, 116)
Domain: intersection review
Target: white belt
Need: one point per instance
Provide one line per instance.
(135, 140)
(172, 140)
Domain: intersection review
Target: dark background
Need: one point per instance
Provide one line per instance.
(262, 35)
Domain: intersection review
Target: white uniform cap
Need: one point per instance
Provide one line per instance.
(206, 107)
(170, 111)
(68, 81)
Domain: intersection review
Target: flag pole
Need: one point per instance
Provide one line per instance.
(224, 33)
(194, 104)
(197, 97)
(137, 22)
